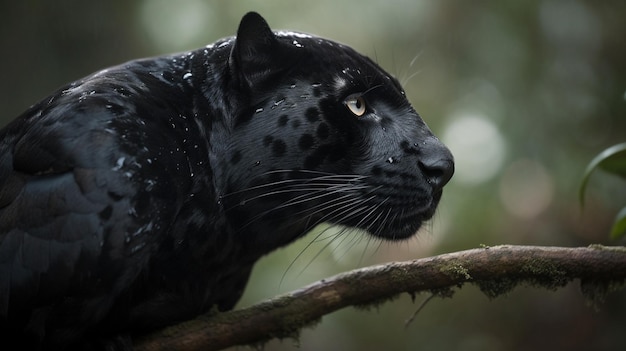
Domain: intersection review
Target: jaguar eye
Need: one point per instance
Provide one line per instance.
(356, 105)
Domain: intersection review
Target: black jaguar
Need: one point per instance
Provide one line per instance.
(143, 194)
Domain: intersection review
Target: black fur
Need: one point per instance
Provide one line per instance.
(142, 195)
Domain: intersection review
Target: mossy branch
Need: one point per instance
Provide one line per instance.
(496, 270)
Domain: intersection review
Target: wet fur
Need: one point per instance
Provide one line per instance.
(142, 195)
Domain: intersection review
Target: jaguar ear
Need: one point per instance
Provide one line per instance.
(252, 57)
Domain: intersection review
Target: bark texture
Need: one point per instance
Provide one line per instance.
(496, 270)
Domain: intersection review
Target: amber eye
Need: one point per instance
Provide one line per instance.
(356, 104)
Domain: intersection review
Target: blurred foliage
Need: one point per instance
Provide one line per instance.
(611, 160)
(525, 93)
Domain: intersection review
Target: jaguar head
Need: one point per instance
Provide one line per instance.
(323, 134)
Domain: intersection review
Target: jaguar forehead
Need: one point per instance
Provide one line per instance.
(340, 83)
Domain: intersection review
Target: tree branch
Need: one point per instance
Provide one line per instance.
(496, 270)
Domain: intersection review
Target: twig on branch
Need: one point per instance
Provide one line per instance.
(496, 270)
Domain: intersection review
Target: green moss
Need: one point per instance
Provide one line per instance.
(374, 304)
(455, 271)
(609, 248)
(294, 321)
(444, 293)
(496, 287)
(595, 291)
(544, 273)
(537, 273)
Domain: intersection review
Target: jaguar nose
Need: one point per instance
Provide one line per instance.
(437, 165)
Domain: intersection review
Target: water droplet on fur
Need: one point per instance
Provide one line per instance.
(391, 160)
(150, 184)
(277, 103)
(137, 248)
(292, 86)
(257, 163)
(258, 110)
(187, 75)
(119, 163)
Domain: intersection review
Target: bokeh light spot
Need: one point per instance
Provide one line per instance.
(478, 148)
(526, 189)
(176, 25)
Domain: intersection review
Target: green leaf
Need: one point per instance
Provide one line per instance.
(612, 160)
(619, 226)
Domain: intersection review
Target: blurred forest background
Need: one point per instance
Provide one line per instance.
(525, 93)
